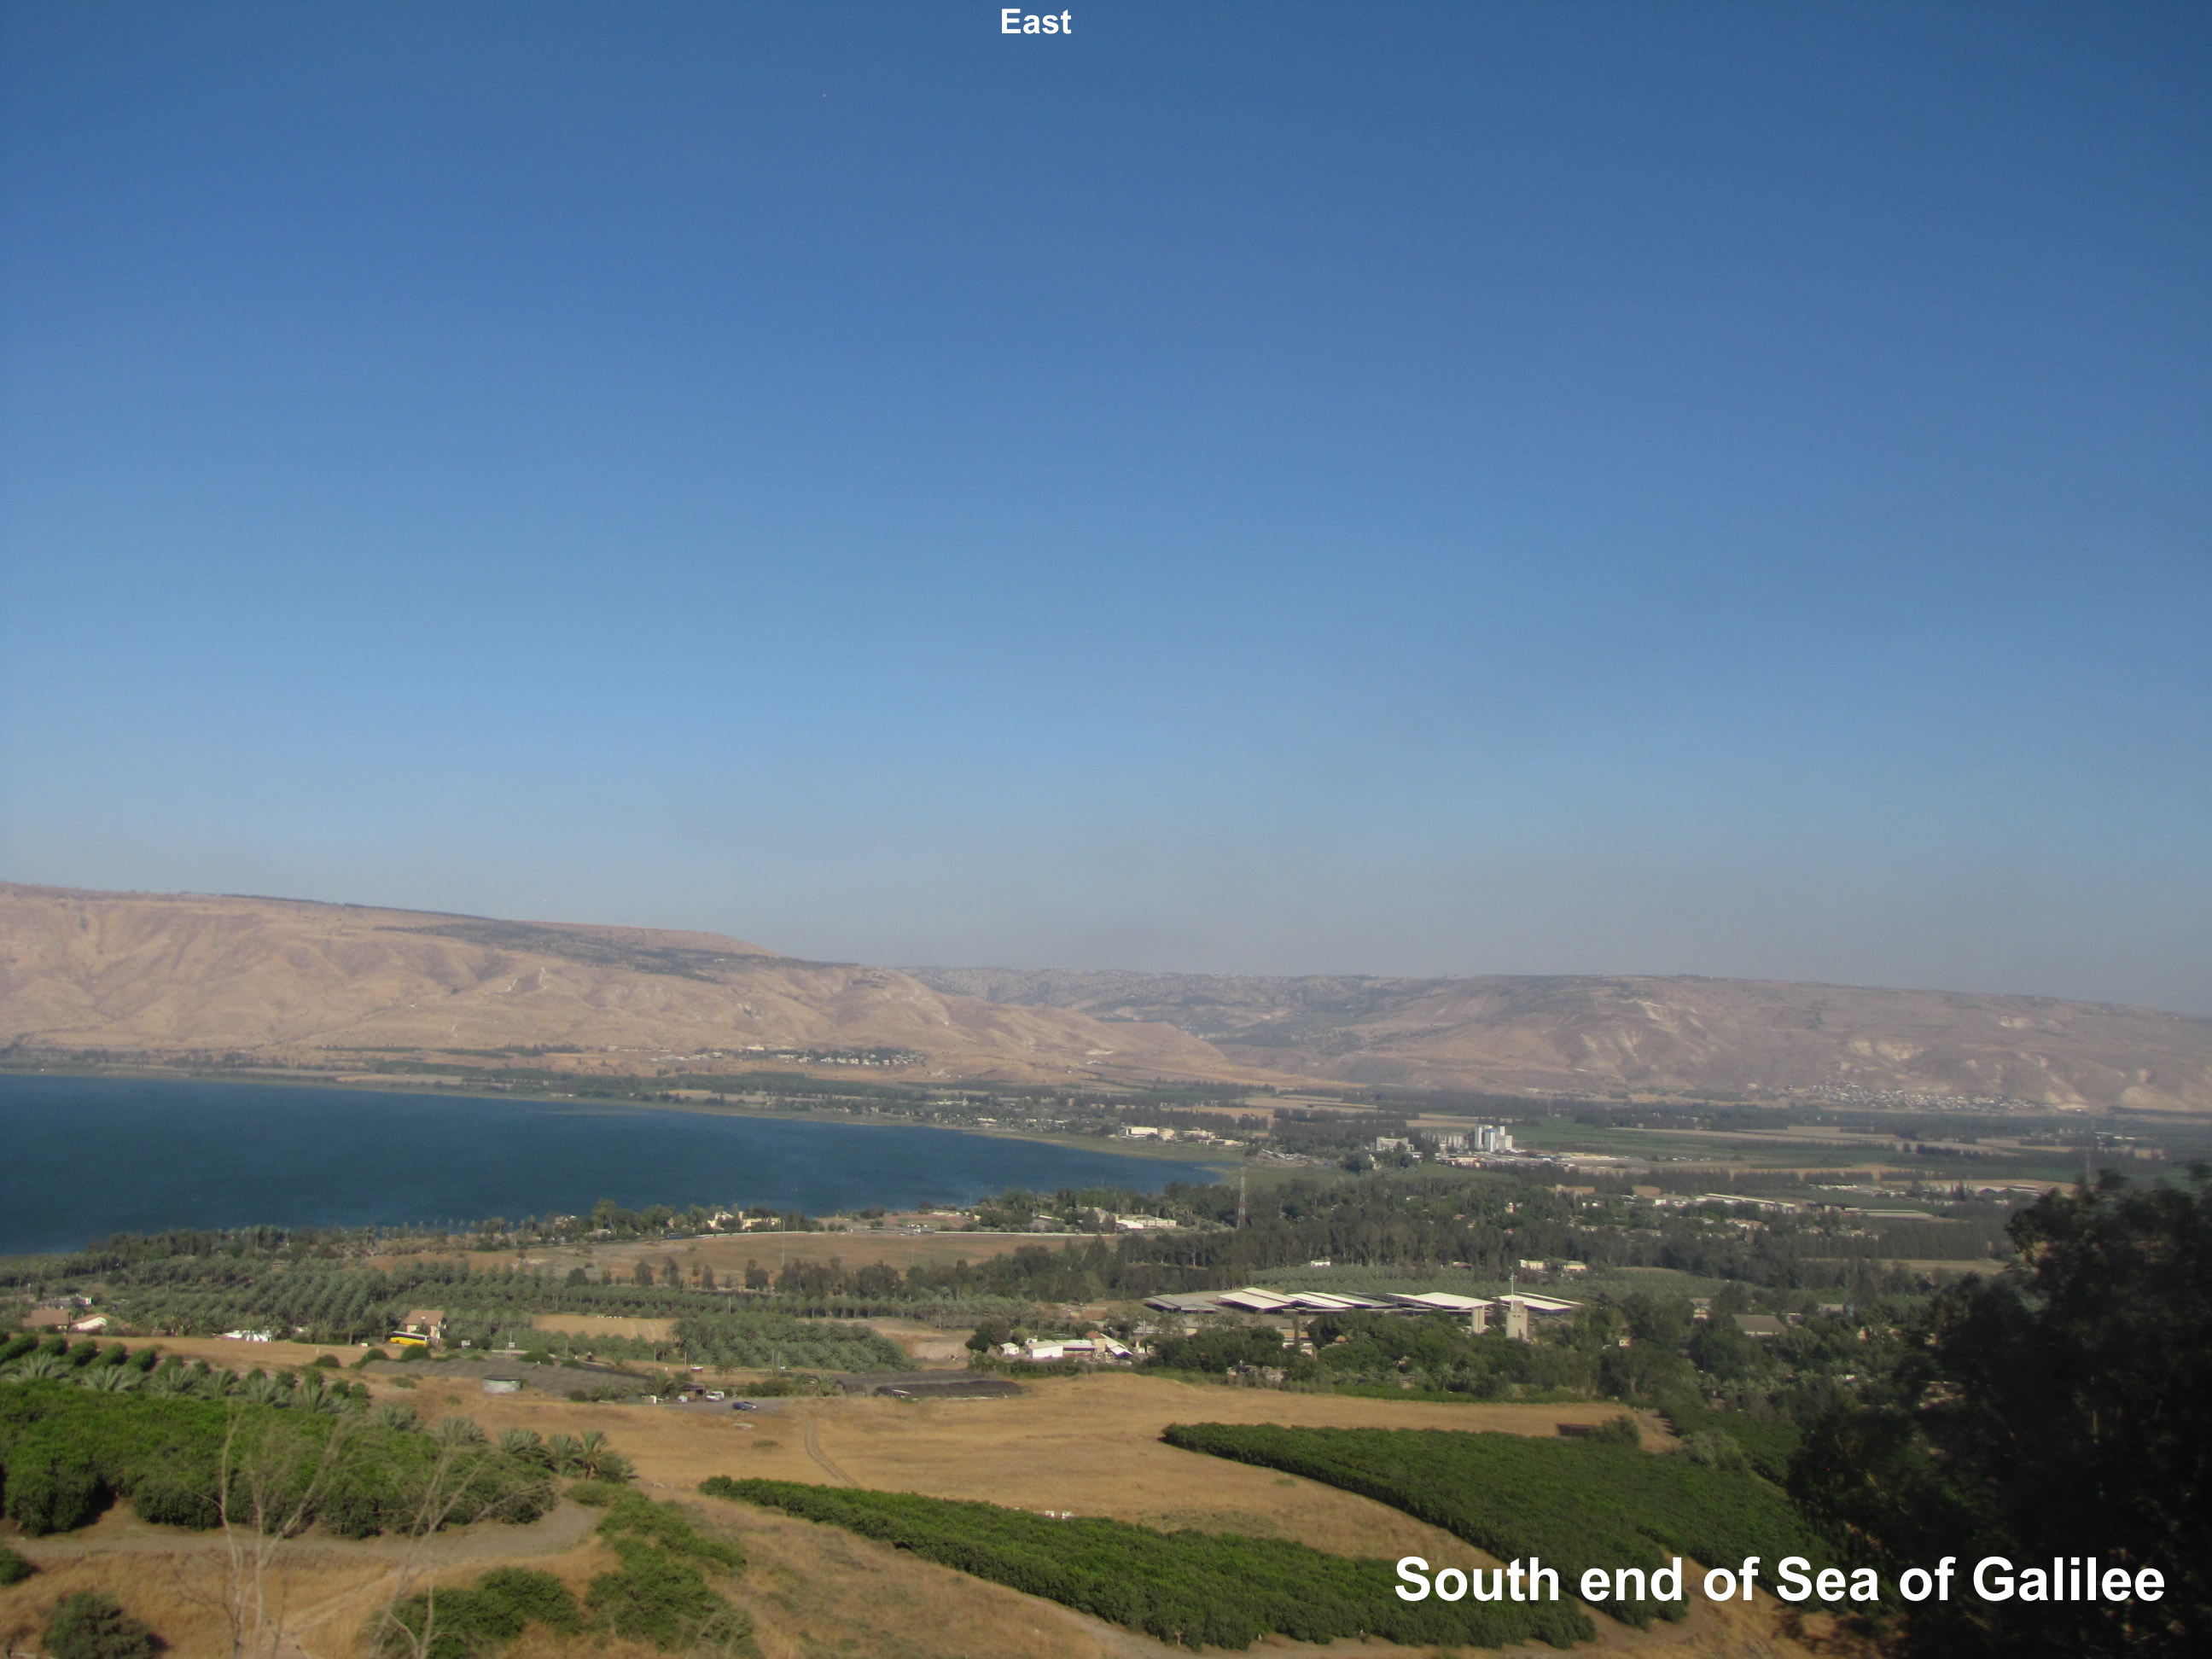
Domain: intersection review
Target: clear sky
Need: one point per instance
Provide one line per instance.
(1397, 488)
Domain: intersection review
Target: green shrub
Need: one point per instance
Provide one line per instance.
(1769, 1442)
(92, 1626)
(1575, 1503)
(596, 1493)
(462, 1623)
(53, 1490)
(539, 1596)
(660, 1593)
(666, 1525)
(661, 1598)
(1188, 1587)
(13, 1569)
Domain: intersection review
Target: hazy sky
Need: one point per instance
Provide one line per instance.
(1391, 488)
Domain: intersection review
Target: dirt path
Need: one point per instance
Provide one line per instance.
(821, 1459)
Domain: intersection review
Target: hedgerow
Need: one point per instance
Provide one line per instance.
(1574, 1503)
(1195, 1587)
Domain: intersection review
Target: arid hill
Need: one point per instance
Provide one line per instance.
(284, 979)
(1590, 1035)
(290, 980)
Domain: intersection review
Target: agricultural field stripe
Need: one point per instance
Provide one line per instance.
(1577, 1505)
(1221, 1590)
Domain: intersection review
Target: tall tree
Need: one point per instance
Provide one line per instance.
(2058, 1410)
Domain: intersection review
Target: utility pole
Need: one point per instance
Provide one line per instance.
(1240, 1198)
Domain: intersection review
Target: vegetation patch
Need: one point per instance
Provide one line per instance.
(660, 1593)
(93, 1625)
(1594, 1502)
(480, 1618)
(68, 1451)
(1197, 1589)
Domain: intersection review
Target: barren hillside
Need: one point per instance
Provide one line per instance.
(288, 980)
(283, 978)
(1592, 1034)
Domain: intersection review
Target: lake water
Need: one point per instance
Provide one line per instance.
(81, 1157)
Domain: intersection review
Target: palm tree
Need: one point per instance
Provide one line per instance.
(561, 1451)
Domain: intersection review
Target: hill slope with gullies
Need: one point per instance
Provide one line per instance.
(289, 981)
(285, 980)
(1590, 1035)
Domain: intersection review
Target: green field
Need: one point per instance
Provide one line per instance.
(1213, 1589)
(1574, 1503)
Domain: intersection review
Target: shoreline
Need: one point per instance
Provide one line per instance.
(1200, 1165)
(1142, 1147)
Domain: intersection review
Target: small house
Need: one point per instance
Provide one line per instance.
(426, 1323)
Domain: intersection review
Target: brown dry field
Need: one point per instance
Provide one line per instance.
(1086, 1444)
(650, 1330)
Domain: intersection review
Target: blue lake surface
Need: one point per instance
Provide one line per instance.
(81, 1157)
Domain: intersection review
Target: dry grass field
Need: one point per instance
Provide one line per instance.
(1086, 1444)
(650, 1330)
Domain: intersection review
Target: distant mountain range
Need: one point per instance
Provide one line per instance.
(293, 980)
(1595, 1034)
(301, 983)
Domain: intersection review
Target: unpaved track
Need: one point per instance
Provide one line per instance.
(822, 1458)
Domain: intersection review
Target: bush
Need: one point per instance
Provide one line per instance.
(53, 1490)
(660, 1594)
(463, 1623)
(663, 1599)
(1188, 1587)
(1717, 1447)
(13, 1569)
(92, 1626)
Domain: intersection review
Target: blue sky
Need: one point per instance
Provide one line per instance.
(1276, 488)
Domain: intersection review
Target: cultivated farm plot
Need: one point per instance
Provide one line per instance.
(1089, 1445)
(728, 1256)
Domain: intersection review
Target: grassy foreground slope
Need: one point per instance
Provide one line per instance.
(1197, 1589)
(1574, 1503)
